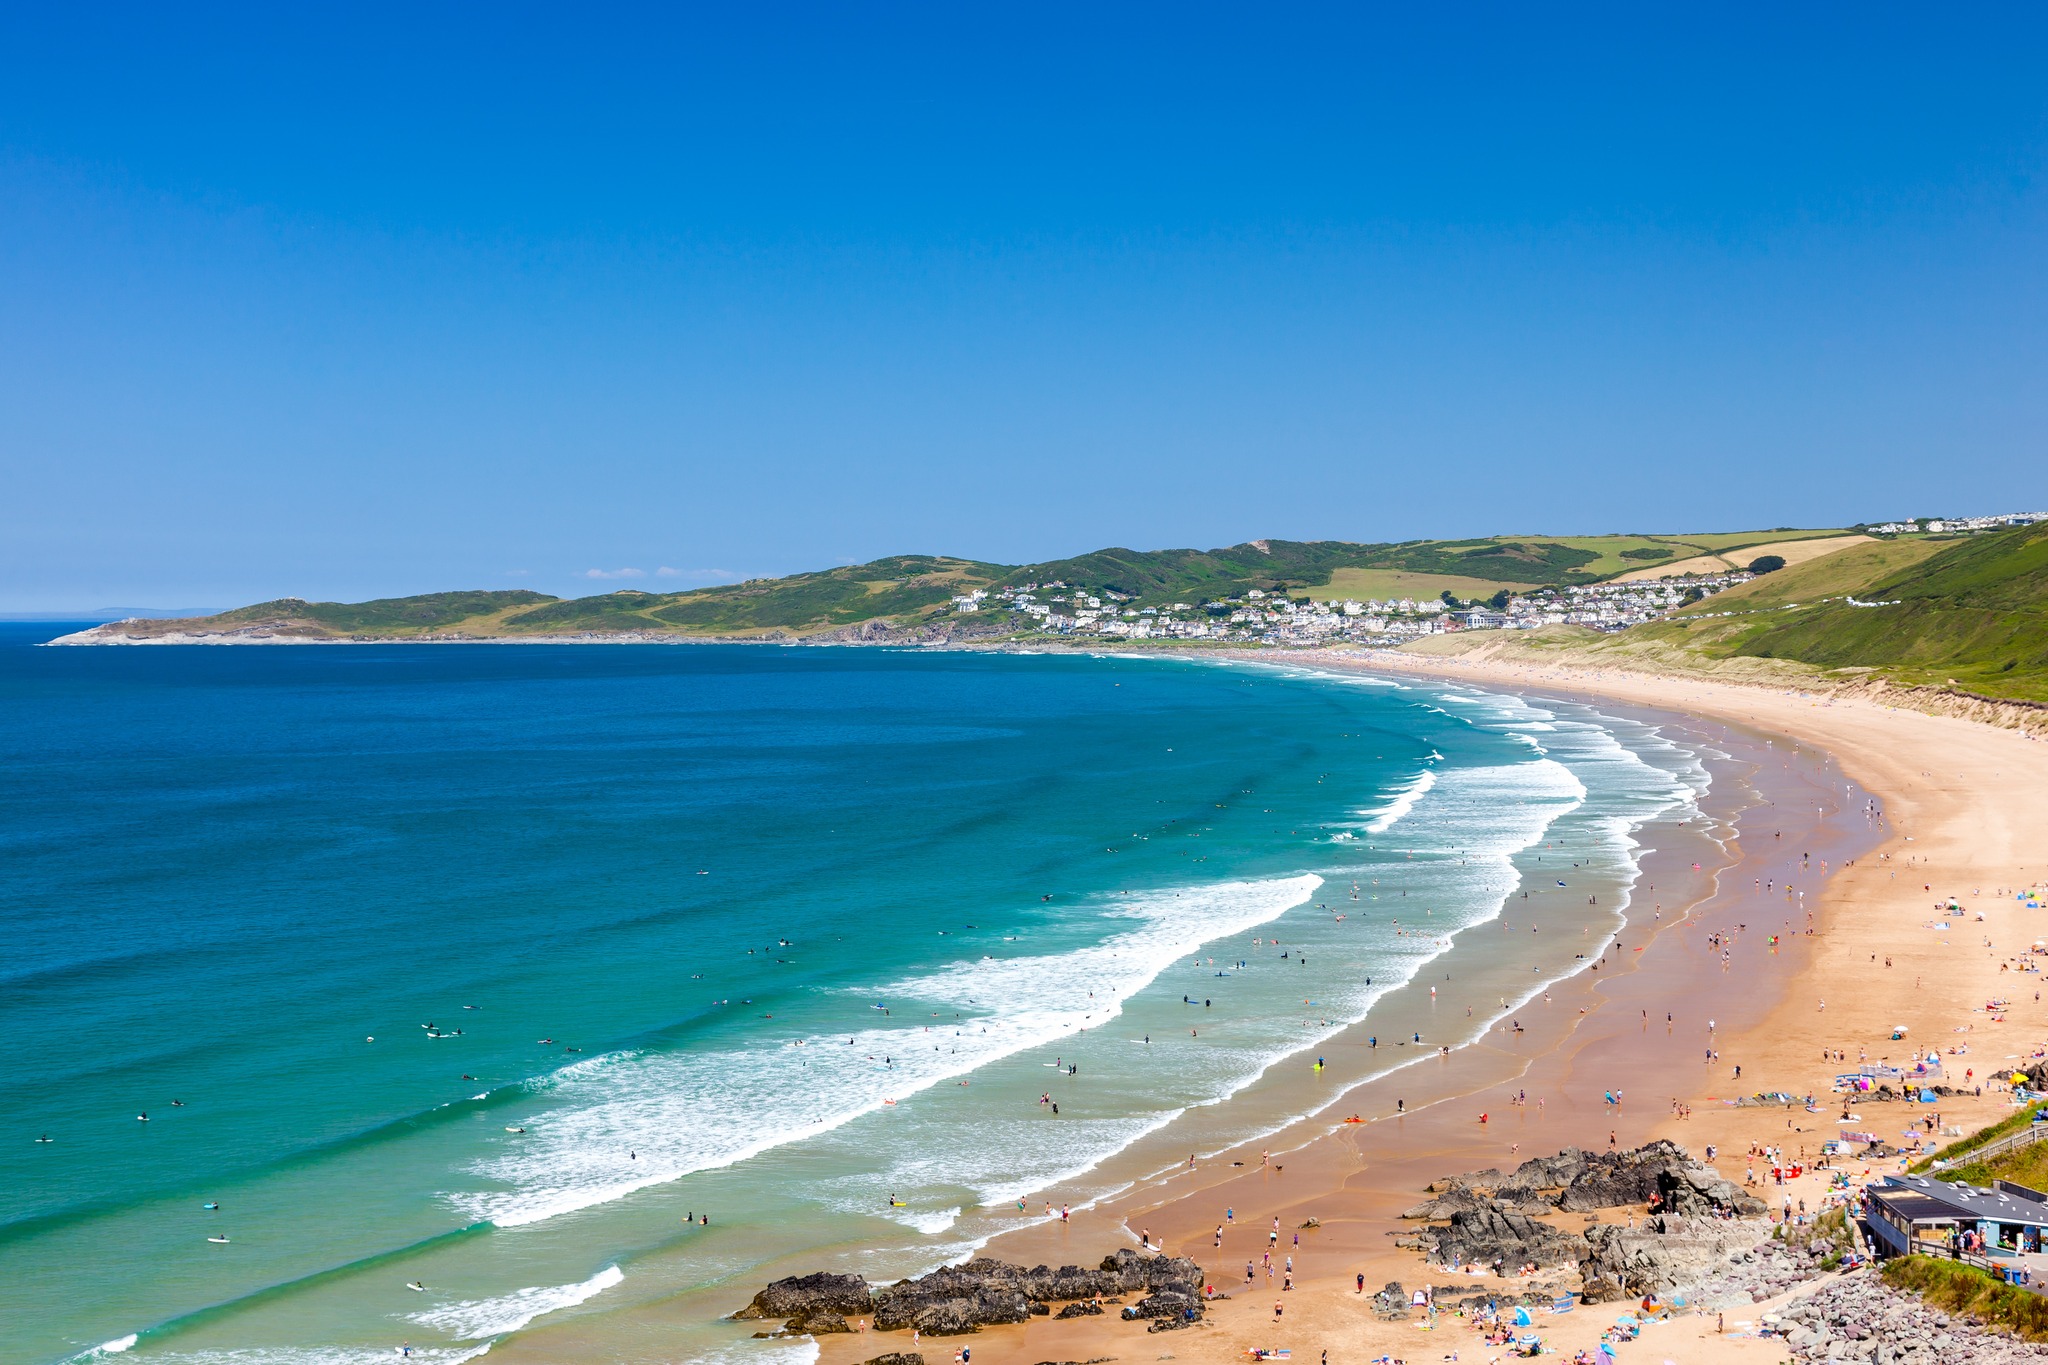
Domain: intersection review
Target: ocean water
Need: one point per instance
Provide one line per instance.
(479, 967)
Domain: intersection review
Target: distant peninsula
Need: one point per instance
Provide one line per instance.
(1953, 604)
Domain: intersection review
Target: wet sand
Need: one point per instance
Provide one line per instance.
(1962, 810)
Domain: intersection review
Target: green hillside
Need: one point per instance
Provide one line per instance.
(1852, 570)
(1969, 613)
(385, 615)
(1155, 577)
(914, 591)
(1974, 614)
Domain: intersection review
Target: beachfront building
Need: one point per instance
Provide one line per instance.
(1919, 1214)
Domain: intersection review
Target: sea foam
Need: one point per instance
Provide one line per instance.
(472, 1321)
(626, 1122)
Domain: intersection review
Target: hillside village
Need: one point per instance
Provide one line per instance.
(1258, 617)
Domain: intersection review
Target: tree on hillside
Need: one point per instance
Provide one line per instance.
(1499, 601)
(1448, 600)
(1763, 564)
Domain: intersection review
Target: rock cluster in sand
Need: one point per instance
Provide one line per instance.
(986, 1292)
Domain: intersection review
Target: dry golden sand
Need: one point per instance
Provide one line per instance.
(1968, 816)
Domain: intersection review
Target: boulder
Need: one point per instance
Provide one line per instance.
(987, 1292)
(1167, 1303)
(1612, 1180)
(1699, 1191)
(819, 1324)
(895, 1358)
(1456, 1197)
(1492, 1235)
(1084, 1308)
(1541, 1174)
(800, 1296)
(1664, 1253)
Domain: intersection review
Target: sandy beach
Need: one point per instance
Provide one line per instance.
(1960, 813)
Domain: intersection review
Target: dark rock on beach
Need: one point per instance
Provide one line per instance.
(800, 1296)
(819, 1324)
(955, 1300)
(1492, 1235)
(986, 1292)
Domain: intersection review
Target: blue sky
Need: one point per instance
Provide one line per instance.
(343, 302)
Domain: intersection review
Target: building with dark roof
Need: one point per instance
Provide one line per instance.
(1907, 1212)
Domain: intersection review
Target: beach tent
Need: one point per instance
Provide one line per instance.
(1927, 1097)
(1522, 1318)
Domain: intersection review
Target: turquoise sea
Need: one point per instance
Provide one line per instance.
(478, 967)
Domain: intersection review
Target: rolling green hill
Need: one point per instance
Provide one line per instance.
(385, 615)
(1969, 613)
(904, 591)
(1974, 615)
(1312, 568)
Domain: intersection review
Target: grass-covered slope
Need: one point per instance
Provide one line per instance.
(1969, 615)
(913, 590)
(1852, 570)
(903, 587)
(384, 615)
(1973, 615)
(1316, 567)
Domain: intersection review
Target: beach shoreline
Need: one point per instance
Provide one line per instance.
(1969, 829)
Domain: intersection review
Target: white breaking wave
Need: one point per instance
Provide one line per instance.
(1402, 802)
(629, 1121)
(930, 1224)
(319, 1355)
(108, 1348)
(508, 1313)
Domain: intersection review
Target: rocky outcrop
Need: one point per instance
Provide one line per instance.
(1664, 1253)
(1579, 1182)
(1455, 1197)
(1542, 1175)
(1492, 1235)
(1612, 1180)
(984, 1292)
(804, 1296)
(1699, 1228)
(896, 1358)
(1692, 1191)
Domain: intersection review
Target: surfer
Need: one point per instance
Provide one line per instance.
(211, 1204)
